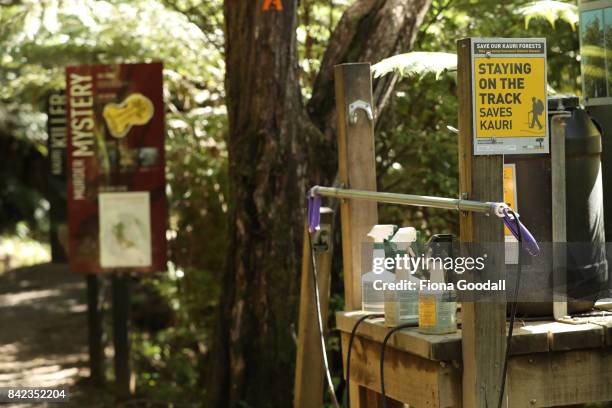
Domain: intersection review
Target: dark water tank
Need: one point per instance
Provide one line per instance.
(586, 258)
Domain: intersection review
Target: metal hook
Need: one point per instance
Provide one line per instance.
(355, 106)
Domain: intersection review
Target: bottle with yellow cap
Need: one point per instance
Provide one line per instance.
(438, 307)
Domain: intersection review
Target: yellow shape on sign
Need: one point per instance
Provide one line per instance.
(509, 190)
(510, 97)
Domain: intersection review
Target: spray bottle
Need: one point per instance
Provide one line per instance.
(372, 300)
(438, 301)
(402, 302)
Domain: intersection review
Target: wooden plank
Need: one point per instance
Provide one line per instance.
(408, 378)
(433, 347)
(357, 170)
(606, 325)
(525, 341)
(560, 378)
(484, 324)
(532, 339)
(575, 336)
(309, 369)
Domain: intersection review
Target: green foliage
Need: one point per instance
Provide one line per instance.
(40, 39)
(317, 20)
(417, 63)
(551, 11)
(173, 311)
(415, 151)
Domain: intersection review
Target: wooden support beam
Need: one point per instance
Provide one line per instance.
(560, 378)
(124, 382)
(411, 379)
(484, 324)
(357, 170)
(95, 330)
(309, 369)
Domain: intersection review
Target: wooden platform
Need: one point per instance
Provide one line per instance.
(552, 364)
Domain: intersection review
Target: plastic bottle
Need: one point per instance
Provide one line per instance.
(402, 305)
(372, 300)
(438, 308)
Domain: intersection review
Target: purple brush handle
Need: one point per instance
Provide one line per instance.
(529, 242)
(314, 211)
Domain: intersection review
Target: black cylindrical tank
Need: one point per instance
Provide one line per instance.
(602, 114)
(586, 266)
(587, 271)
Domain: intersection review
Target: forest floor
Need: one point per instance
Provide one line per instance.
(43, 333)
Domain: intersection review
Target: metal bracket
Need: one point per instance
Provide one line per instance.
(322, 239)
(464, 196)
(355, 106)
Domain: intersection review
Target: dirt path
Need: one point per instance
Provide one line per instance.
(43, 331)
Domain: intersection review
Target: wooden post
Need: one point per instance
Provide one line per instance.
(484, 324)
(94, 326)
(357, 170)
(309, 369)
(121, 341)
(559, 217)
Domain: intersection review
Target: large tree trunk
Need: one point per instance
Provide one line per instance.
(273, 146)
(254, 352)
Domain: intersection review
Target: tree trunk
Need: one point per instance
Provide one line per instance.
(276, 151)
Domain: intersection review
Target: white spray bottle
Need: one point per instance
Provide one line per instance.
(372, 300)
(402, 302)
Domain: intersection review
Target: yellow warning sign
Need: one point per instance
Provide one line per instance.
(509, 96)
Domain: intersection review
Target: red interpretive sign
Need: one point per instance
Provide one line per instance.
(117, 210)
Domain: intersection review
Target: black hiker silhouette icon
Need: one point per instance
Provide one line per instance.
(536, 110)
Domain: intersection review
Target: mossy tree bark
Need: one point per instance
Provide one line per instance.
(277, 149)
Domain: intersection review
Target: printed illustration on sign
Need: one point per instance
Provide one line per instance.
(509, 95)
(536, 112)
(125, 230)
(135, 110)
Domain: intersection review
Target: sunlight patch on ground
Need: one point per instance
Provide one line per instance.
(16, 252)
(42, 327)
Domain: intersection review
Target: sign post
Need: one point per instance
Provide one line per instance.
(56, 144)
(480, 178)
(117, 211)
(509, 95)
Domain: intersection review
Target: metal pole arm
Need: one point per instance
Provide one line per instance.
(489, 208)
(408, 199)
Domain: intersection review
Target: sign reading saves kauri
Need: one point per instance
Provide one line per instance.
(509, 95)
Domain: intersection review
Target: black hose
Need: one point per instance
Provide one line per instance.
(348, 354)
(512, 311)
(382, 359)
(330, 384)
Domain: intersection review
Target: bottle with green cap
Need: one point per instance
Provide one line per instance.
(402, 301)
(372, 300)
